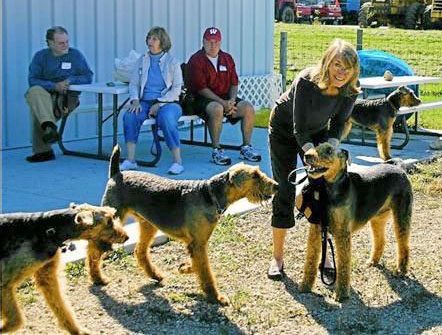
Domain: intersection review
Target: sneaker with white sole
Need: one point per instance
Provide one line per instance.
(249, 153)
(220, 158)
(436, 145)
(176, 169)
(128, 165)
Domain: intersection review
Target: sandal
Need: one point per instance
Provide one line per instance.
(274, 272)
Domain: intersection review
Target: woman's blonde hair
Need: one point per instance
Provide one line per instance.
(347, 54)
(162, 35)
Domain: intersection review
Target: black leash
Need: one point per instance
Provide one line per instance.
(326, 239)
(324, 222)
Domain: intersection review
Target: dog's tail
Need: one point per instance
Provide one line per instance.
(114, 166)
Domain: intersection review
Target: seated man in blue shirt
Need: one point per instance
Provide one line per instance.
(51, 72)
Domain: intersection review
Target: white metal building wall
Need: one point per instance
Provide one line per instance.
(106, 29)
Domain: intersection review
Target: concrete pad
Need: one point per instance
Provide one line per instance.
(50, 185)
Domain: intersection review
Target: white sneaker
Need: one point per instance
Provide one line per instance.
(128, 165)
(176, 169)
(249, 153)
(436, 145)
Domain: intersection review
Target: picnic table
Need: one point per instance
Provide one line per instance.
(379, 83)
(117, 89)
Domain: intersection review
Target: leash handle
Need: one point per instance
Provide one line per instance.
(292, 175)
(326, 239)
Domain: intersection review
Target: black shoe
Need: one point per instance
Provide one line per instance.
(50, 135)
(41, 157)
(275, 273)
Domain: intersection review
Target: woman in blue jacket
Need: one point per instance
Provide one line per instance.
(154, 90)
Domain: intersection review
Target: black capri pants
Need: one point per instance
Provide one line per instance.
(284, 150)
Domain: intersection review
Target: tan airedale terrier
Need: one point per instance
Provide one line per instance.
(187, 210)
(374, 195)
(380, 114)
(30, 244)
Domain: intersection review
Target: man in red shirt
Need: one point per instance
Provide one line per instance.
(214, 83)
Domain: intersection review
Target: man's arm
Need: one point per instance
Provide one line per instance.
(82, 74)
(35, 76)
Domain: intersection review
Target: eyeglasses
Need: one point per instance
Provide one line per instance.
(341, 67)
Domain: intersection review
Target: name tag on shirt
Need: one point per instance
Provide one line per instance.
(222, 68)
(66, 65)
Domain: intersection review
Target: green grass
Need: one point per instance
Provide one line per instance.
(427, 178)
(422, 50)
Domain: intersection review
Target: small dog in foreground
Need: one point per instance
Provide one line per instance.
(379, 115)
(375, 195)
(31, 243)
(186, 210)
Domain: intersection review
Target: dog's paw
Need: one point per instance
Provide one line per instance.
(100, 281)
(83, 331)
(400, 273)
(372, 263)
(305, 288)
(223, 300)
(342, 295)
(185, 268)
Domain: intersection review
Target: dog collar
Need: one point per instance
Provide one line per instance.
(64, 246)
(393, 106)
(219, 209)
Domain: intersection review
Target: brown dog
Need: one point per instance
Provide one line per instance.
(379, 115)
(187, 210)
(375, 195)
(30, 244)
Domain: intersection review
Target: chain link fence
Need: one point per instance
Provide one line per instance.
(422, 50)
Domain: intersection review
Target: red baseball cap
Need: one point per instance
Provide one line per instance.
(212, 33)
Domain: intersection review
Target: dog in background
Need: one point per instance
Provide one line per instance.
(375, 195)
(379, 115)
(186, 210)
(30, 244)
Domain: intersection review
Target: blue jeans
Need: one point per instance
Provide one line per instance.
(167, 121)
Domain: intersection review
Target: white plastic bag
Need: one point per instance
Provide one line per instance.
(124, 67)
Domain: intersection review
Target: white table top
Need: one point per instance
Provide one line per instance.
(119, 88)
(380, 82)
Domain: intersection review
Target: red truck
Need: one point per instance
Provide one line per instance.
(290, 11)
(328, 11)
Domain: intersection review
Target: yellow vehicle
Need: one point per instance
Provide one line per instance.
(432, 17)
(410, 14)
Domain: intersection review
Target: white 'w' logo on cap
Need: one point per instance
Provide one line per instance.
(213, 31)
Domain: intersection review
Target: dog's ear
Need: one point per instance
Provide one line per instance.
(346, 154)
(85, 218)
(403, 89)
(236, 177)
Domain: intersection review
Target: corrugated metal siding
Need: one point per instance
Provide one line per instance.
(106, 29)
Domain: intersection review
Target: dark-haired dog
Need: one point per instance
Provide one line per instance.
(187, 210)
(379, 115)
(30, 244)
(374, 195)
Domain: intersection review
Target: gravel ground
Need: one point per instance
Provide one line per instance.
(240, 250)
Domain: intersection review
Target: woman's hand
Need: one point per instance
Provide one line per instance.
(134, 106)
(154, 110)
